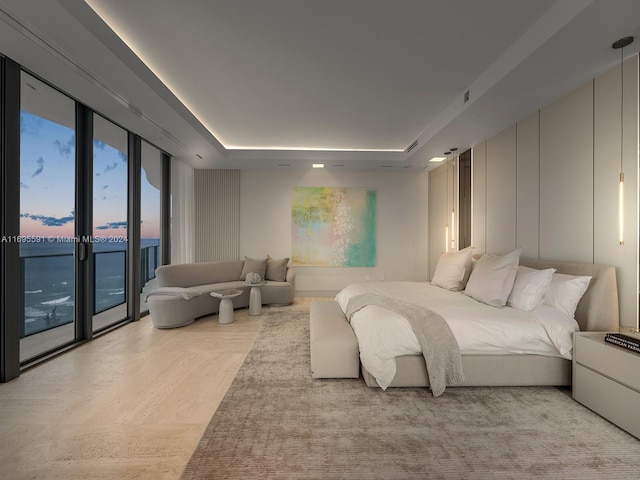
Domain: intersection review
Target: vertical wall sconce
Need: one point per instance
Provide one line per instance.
(619, 45)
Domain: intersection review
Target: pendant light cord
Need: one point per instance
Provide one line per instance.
(621, 112)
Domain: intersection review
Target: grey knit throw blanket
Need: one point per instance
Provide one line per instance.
(439, 346)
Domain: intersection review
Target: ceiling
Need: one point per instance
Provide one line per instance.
(280, 84)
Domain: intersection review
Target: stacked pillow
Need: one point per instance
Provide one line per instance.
(500, 280)
(492, 278)
(566, 291)
(274, 269)
(453, 269)
(530, 288)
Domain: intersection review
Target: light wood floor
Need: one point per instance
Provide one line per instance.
(131, 404)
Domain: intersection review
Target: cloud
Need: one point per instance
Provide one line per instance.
(98, 145)
(40, 168)
(110, 167)
(50, 221)
(66, 148)
(112, 225)
(29, 123)
(23, 185)
(104, 187)
(123, 157)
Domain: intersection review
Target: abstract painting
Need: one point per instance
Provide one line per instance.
(333, 226)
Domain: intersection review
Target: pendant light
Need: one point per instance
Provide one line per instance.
(446, 209)
(619, 45)
(453, 199)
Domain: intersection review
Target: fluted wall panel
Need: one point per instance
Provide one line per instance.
(217, 215)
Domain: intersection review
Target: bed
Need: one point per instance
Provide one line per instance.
(535, 364)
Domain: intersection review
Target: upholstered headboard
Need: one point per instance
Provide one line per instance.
(598, 309)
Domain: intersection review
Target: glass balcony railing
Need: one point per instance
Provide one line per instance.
(47, 285)
(47, 293)
(149, 257)
(109, 279)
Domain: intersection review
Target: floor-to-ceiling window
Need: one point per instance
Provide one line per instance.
(72, 185)
(47, 218)
(110, 227)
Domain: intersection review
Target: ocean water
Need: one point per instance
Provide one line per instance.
(48, 276)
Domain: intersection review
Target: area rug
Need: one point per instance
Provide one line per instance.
(277, 422)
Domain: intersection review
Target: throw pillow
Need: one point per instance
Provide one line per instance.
(565, 291)
(492, 278)
(258, 266)
(276, 269)
(530, 288)
(453, 269)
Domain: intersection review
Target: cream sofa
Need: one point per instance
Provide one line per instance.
(183, 289)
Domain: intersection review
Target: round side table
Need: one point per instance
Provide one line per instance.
(225, 311)
(255, 298)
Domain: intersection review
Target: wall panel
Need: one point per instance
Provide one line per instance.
(217, 215)
(501, 192)
(527, 186)
(438, 214)
(479, 197)
(566, 177)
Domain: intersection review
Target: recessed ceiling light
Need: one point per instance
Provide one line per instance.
(318, 165)
(438, 159)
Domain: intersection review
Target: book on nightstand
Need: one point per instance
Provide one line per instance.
(625, 341)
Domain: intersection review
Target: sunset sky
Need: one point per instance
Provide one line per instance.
(47, 156)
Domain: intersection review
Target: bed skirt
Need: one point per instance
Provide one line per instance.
(485, 370)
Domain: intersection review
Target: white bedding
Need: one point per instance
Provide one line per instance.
(478, 328)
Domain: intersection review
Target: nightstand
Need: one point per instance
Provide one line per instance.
(606, 379)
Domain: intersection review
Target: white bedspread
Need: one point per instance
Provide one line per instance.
(478, 328)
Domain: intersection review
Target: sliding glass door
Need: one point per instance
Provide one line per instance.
(110, 228)
(47, 218)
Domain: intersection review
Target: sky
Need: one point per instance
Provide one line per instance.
(47, 184)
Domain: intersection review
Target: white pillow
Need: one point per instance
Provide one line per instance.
(492, 278)
(565, 291)
(530, 287)
(453, 269)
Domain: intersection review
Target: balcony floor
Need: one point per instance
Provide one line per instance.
(49, 339)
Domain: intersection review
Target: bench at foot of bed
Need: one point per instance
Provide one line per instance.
(334, 347)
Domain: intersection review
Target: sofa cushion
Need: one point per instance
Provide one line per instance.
(217, 287)
(200, 273)
(254, 265)
(276, 269)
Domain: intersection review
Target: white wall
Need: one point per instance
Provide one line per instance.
(550, 183)
(401, 223)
